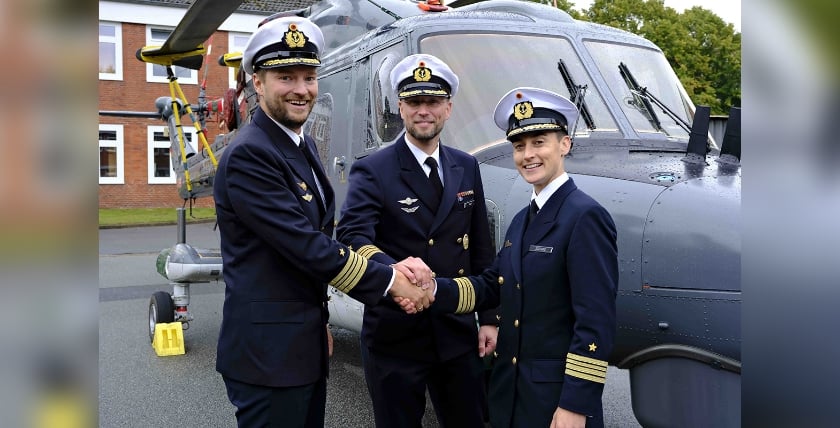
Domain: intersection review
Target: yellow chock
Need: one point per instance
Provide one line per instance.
(169, 339)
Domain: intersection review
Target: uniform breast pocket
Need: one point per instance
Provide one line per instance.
(277, 312)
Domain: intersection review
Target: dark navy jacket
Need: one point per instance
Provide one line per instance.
(557, 280)
(387, 217)
(278, 257)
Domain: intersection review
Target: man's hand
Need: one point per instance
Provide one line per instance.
(487, 335)
(416, 270)
(411, 298)
(566, 419)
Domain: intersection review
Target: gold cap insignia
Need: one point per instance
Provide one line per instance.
(523, 110)
(422, 73)
(307, 197)
(294, 38)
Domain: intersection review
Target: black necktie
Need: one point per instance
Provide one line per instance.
(434, 177)
(532, 211)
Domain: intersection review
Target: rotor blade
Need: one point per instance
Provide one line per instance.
(201, 20)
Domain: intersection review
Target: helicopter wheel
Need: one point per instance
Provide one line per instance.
(161, 310)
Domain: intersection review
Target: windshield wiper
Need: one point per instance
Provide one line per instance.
(578, 92)
(645, 96)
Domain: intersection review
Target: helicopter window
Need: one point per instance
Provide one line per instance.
(489, 65)
(157, 73)
(111, 154)
(110, 51)
(388, 122)
(625, 67)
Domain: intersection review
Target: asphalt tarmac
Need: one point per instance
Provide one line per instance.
(139, 389)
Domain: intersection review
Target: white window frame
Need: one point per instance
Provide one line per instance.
(233, 47)
(150, 73)
(118, 144)
(189, 135)
(118, 60)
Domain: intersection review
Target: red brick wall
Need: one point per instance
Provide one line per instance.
(134, 93)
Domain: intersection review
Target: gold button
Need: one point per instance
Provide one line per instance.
(460, 271)
(459, 240)
(516, 323)
(518, 286)
(514, 361)
(431, 242)
(501, 280)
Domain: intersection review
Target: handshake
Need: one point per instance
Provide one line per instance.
(414, 285)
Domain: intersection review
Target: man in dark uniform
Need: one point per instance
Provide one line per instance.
(556, 276)
(418, 197)
(275, 210)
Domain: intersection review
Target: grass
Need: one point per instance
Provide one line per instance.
(123, 217)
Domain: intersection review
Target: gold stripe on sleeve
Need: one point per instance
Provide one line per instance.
(351, 273)
(582, 359)
(584, 376)
(466, 296)
(367, 251)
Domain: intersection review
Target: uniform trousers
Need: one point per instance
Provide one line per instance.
(397, 387)
(288, 407)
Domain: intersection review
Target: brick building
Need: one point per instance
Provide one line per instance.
(134, 161)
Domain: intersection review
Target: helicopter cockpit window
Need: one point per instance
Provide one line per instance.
(649, 91)
(386, 115)
(489, 65)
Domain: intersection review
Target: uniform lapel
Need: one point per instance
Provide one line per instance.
(452, 176)
(546, 220)
(413, 175)
(290, 151)
(516, 231)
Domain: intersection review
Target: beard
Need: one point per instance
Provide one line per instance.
(276, 108)
(424, 135)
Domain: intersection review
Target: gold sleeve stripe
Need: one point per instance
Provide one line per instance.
(577, 363)
(351, 273)
(570, 365)
(582, 359)
(466, 296)
(584, 376)
(367, 251)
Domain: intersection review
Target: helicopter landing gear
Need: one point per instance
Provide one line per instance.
(161, 310)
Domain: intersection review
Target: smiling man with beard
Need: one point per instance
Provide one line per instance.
(275, 208)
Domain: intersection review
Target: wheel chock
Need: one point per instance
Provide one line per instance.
(169, 339)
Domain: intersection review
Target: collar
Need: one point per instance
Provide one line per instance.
(296, 138)
(421, 156)
(549, 190)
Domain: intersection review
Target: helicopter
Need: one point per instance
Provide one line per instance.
(641, 148)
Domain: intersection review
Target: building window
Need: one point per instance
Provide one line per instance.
(111, 154)
(110, 51)
(161, 156)
(156, 36)
(236, 43)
